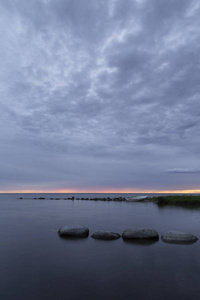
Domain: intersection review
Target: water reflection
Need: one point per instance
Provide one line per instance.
(141, 242)
(179, 207)
(37, 264)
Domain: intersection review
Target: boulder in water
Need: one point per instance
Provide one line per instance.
(140, 234)
(178, 237)
(73, 231)
(105, 235)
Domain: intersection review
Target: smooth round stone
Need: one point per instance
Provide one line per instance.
(73, 231)
(140, 234)
(179, 237)
(105, 235)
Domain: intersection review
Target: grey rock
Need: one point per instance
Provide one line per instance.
(140, 234)
(105, 235)
(73, 231)
(178, 237)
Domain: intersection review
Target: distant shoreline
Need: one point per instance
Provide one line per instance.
(176, 200)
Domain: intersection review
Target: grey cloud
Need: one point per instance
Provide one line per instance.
(184, 171)
(112, 83)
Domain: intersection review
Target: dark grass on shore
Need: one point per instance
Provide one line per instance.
(181, 200)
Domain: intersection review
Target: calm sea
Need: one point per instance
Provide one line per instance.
(36, 264)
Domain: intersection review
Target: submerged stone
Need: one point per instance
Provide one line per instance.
(105, 235)
(140, 234)
(178, 237)
(73, 231)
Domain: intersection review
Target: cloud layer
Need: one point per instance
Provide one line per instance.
(99, 95)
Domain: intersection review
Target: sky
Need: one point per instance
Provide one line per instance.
(99, 95)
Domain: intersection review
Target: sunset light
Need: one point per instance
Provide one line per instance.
(123, 191)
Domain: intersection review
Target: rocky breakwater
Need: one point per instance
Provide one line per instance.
(105, 235)
(178, 237)
(140, 234)
(73, 231)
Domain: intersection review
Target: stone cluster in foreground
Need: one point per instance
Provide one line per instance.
(131, 234)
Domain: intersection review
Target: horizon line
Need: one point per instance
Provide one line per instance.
(109, 191)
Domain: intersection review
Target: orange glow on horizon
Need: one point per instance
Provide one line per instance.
(124, 191)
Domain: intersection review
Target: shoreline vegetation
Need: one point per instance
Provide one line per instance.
(176, 200)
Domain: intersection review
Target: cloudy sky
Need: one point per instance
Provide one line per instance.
(99, 95)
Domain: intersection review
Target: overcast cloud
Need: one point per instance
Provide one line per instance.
(99, 95)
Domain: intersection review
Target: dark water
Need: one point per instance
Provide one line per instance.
(36, 264)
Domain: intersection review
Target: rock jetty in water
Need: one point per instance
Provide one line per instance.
(105, 235)
(73, 231)
(140, 234)
(178, 237)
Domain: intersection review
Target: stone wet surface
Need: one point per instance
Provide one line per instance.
(73, 231)
(105, 235)
(140, 233)
(178, 237)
